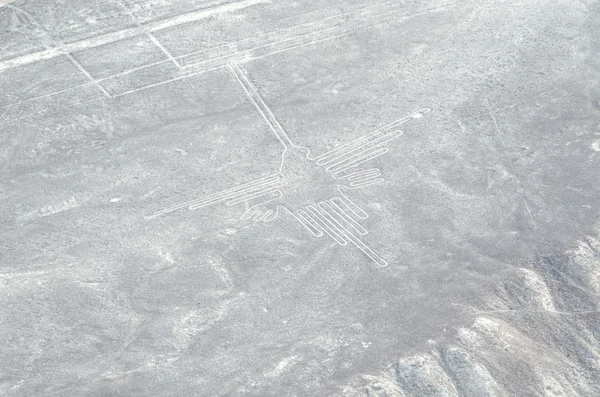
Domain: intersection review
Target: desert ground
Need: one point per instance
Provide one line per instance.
(276, 198)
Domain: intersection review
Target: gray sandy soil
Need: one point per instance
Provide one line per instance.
(299, 198)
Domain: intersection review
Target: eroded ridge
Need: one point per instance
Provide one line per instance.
(313, 190)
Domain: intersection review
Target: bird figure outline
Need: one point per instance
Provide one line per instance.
(313, 190)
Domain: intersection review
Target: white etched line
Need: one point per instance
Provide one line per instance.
(247, 54)
(261, 106)
(342, 150)
(324, 224)
(365, 177)
(286, 49)
(357, 242)
(111, 37)
(152, 26)
(259, 216)
(417, 114)
(262, 189)
(365, 183)
(311, 220)
(277, 34)
(49, 94)
(333, 224)
(258, 208)
(362, 151)
(323, 208)
(249, 214)
(351, 164)
(356, 158)
(348, 220)
(203, 13)
(253, 195)
(167, 81)
(354, 240)
(299, 39)
(268, 178)
(367, 145)
(89, 76)
(265, 216)
(285, 42)
(232, 191)
(350, 205)
(163, 49)
(367, 251)
(346, 148)
(391, 17)
(272, 216)
(133, 70)
(413, 115)
(308, 223)
(371, 173)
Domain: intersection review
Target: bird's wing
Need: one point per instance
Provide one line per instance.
(265, 186)
(343, 161)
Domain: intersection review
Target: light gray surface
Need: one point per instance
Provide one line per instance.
(485, 224)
